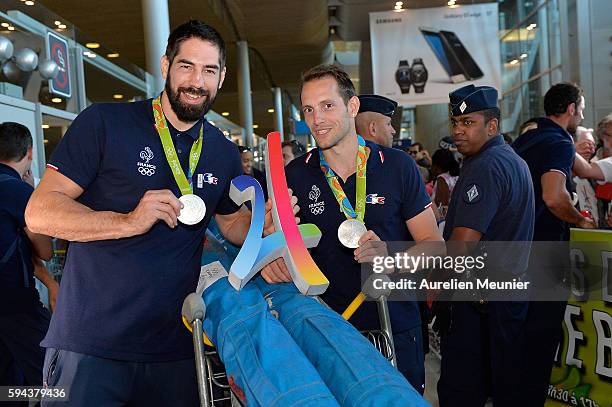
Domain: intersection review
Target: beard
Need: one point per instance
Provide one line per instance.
(187, 112)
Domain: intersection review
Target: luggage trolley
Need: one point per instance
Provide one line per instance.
(212, 380)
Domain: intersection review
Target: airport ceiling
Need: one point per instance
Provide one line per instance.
(290, 36)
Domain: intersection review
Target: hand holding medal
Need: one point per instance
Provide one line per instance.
(369, 247)
(194, 208)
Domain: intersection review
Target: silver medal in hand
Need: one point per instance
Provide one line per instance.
(194, 209)
(350, 231)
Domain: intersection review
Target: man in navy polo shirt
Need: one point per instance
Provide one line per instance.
(396, 207)
(492, 201)
(116, 336)
(23, 320)
(548, 148)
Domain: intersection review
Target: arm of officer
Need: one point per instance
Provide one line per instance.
(54, 211)
(558, 201)
(461, 236)
(585, 169)
(41, 244)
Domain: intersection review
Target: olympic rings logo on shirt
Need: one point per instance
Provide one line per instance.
(146, 171)
(318, 208)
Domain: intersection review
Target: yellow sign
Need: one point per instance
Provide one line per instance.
(582, 375)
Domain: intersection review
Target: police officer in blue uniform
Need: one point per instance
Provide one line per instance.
(373, 122)
(492, 201)
(396, 208)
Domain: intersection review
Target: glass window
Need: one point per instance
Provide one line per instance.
(103, 87)
(530, 57)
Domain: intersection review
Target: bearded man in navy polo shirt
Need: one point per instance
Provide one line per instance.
(116, 336)
(395, 202)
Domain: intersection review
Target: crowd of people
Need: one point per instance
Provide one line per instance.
(116, 337)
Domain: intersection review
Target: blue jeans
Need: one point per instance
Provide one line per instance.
(281, 348)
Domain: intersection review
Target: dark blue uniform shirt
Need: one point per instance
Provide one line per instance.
(17, 290)
(122, 298)
(494, 196)
(395, 194)
(547, 147)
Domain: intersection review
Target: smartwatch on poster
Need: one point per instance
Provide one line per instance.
(402, 76)
(418, 75)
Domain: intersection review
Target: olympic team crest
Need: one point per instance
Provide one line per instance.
(144, 168)
(316, 208)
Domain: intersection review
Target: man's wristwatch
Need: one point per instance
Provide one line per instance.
(402, 76)
(418, 75)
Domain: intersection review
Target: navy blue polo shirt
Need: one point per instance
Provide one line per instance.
(14, 195)
(547, 147)
(121, 299)
(394, 194)
(494, 196)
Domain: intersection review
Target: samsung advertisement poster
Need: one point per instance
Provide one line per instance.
(420, 55)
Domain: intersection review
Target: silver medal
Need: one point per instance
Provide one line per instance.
(193, 210)
(350, 231)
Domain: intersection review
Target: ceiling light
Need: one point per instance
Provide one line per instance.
(62, 26)
(514, 62)
(531, 26)
(45, 126)
(399, 3)
(5, 25)
(225, 114)
(256, 126)
(29, 3)
(56, 100)
(398, 7)
(523, 56)
(113, 55)
(92, 45)
(11, 28)
(57, 22)
(271, 110)
(117, 96)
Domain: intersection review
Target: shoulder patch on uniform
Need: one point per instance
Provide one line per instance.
(472, 194)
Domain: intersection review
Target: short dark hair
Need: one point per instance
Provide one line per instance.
(194, 29)
(15, 141)
(560, 96)
(417, 145)
(244, 149)
(490, 114)
(297, 148)
(345, 85)
(445, 160)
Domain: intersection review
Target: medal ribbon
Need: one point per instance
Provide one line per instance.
(332, 179)
(184, 183)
